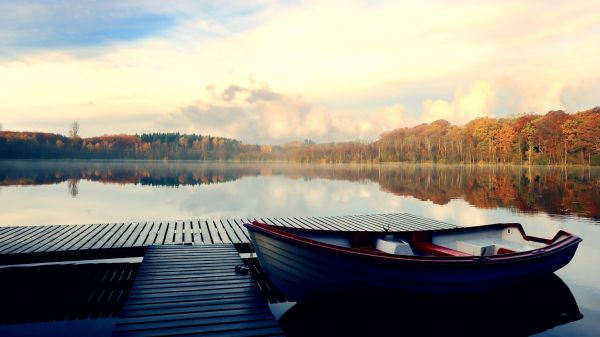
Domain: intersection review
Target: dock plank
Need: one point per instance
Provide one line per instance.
(72, 231)
(19, 241)
(81, 235)
(178, 239)
(231, 234)
(77, 243)
(170, 236)
(55, 235)
(133, 236)
(162, 233)
(31, 245)
(16, 230)
(126, 235)
(143, 236)
(187, 232)
(129, 235)
(101, 237)
(151, 237)
(111, 241)
(240, 230)
(205, 232)
(197, 233)
(225, 304)
(214, 232)
(223, 234)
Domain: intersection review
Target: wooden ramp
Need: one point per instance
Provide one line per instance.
(194, 291)
(48, 243)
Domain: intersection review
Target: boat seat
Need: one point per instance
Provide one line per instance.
(476, 249)
(489, 246)
(437, 250)
(391, 246)
(422, 242)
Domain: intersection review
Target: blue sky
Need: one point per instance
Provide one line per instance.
(333, 70)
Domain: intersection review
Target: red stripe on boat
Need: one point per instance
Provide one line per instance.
(503, 250)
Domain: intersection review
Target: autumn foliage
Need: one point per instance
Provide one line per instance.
(556, 138)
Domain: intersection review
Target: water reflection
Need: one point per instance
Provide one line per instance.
(73, 190)
(552, 190)
(543, 199)
(517, 311)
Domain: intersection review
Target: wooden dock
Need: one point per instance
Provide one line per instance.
(194, 290)
(26, 244)
(186, 284)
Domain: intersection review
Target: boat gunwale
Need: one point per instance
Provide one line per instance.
(553, 245)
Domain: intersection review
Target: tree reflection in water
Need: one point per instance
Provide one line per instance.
(73, 189)
(552, 190)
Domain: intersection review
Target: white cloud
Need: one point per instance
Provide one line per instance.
(325, 52)
(537, 97)
(257, 113)
(479, 101)
(383, 119)
(542, 99)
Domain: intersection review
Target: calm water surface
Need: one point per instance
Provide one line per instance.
(543, 199)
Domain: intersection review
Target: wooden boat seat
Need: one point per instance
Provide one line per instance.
(491, 246)
(395, 247)
(436, 250)
(422, 241)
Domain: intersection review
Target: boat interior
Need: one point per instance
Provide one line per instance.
(475, 241)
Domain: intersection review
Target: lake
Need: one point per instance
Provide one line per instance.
(543, 199)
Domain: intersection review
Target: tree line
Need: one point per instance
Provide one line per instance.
(154, 146)
(556, 138)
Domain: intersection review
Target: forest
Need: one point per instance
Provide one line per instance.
(556, 138)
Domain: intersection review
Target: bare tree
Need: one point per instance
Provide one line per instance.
(0, 126)
(74, 129)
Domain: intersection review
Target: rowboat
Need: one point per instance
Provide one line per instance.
(306, 263)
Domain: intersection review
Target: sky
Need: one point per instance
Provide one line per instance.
(278, 71)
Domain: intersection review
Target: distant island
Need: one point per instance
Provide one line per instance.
(556, 138)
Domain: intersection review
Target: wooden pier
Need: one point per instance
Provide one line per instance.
(27, 244)
(194, 290)
(187, 283)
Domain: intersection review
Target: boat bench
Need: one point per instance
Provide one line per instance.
(437, 250)
(422, 241)
(486, 247)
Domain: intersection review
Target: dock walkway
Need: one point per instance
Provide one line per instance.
(22, 244)
(194, 290)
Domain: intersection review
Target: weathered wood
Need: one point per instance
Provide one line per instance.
(20, 241)
(100, 237)
(205, 232)
(111, 241)
(32, 244)
(237, 225)
(187, 232)
(166, 300)
(162, 232)
(197, 233)
(214, 232)
(178, 233)
(169, 238)
(230, 232)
